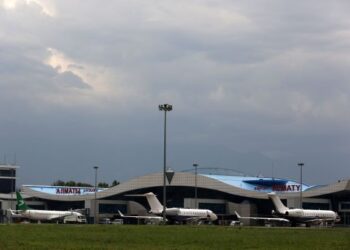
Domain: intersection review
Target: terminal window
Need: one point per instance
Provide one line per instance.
(345, 206)
(7, 173)
(5, 185)
(322, 206)
(215, 207)
(111, 208)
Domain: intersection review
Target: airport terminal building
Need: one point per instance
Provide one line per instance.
(223, 194)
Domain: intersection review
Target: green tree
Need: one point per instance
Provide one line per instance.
(115, 183)
(82, 184)
(70, 184)
(58, 183)
(103, 185)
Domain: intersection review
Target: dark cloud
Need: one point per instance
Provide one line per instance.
(252, 83)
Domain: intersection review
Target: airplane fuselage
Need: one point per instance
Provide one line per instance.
(178, 214)
(45, 214)
(298, 215)
(183, 214)
(302, 215)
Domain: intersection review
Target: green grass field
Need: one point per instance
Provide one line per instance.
(53, 236)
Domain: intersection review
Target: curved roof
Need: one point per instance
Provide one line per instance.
(250, 187)
(261, 184)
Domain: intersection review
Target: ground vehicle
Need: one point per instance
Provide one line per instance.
(236, 223)
(118, 222)
(105, 221)
(74, 219)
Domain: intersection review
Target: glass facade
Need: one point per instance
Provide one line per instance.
(111, 208)
(215, 207)
(345, 206)
(7, 179)
(316, 206)
(7, 185)
(8, 172)
(39, 207)
(62, 206)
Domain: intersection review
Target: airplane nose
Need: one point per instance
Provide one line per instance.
(213, 216)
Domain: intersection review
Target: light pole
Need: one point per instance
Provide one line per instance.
(12, 188)
(195, 165)
(301, 183)
(12, 181)
(165, 108)
(95, 203)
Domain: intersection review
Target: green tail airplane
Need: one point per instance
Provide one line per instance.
(46, 215)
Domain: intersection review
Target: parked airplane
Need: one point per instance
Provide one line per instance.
(152, 219)
(178, 214)
(40, 215)
(303, 216)
(266, 220)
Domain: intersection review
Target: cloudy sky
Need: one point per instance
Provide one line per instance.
(256, 86)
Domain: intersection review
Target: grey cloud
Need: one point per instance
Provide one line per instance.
(68, 79)
(277, 84)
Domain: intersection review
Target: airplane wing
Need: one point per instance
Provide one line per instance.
(58, 216)
(267, 219)
(196, 220)
(55, 217)
(318, 220)
(140, 216)
(15, 213)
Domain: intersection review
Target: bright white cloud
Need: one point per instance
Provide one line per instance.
(9, 4)
(197, 16)
(46, 6)
(106, 86)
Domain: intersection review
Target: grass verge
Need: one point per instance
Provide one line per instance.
(51, 236)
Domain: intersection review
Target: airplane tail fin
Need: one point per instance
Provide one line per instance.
(156, 206)
(278, 203)
(21, 205)
(153, 202)
(12, 212)
(120, 213)
(237, 214)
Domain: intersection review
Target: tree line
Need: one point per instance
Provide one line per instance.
(82, 184)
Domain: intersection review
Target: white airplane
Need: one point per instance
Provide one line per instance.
(300, 216)
(40, 215)
(152, 219)
(265, 219)
(178, 214)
